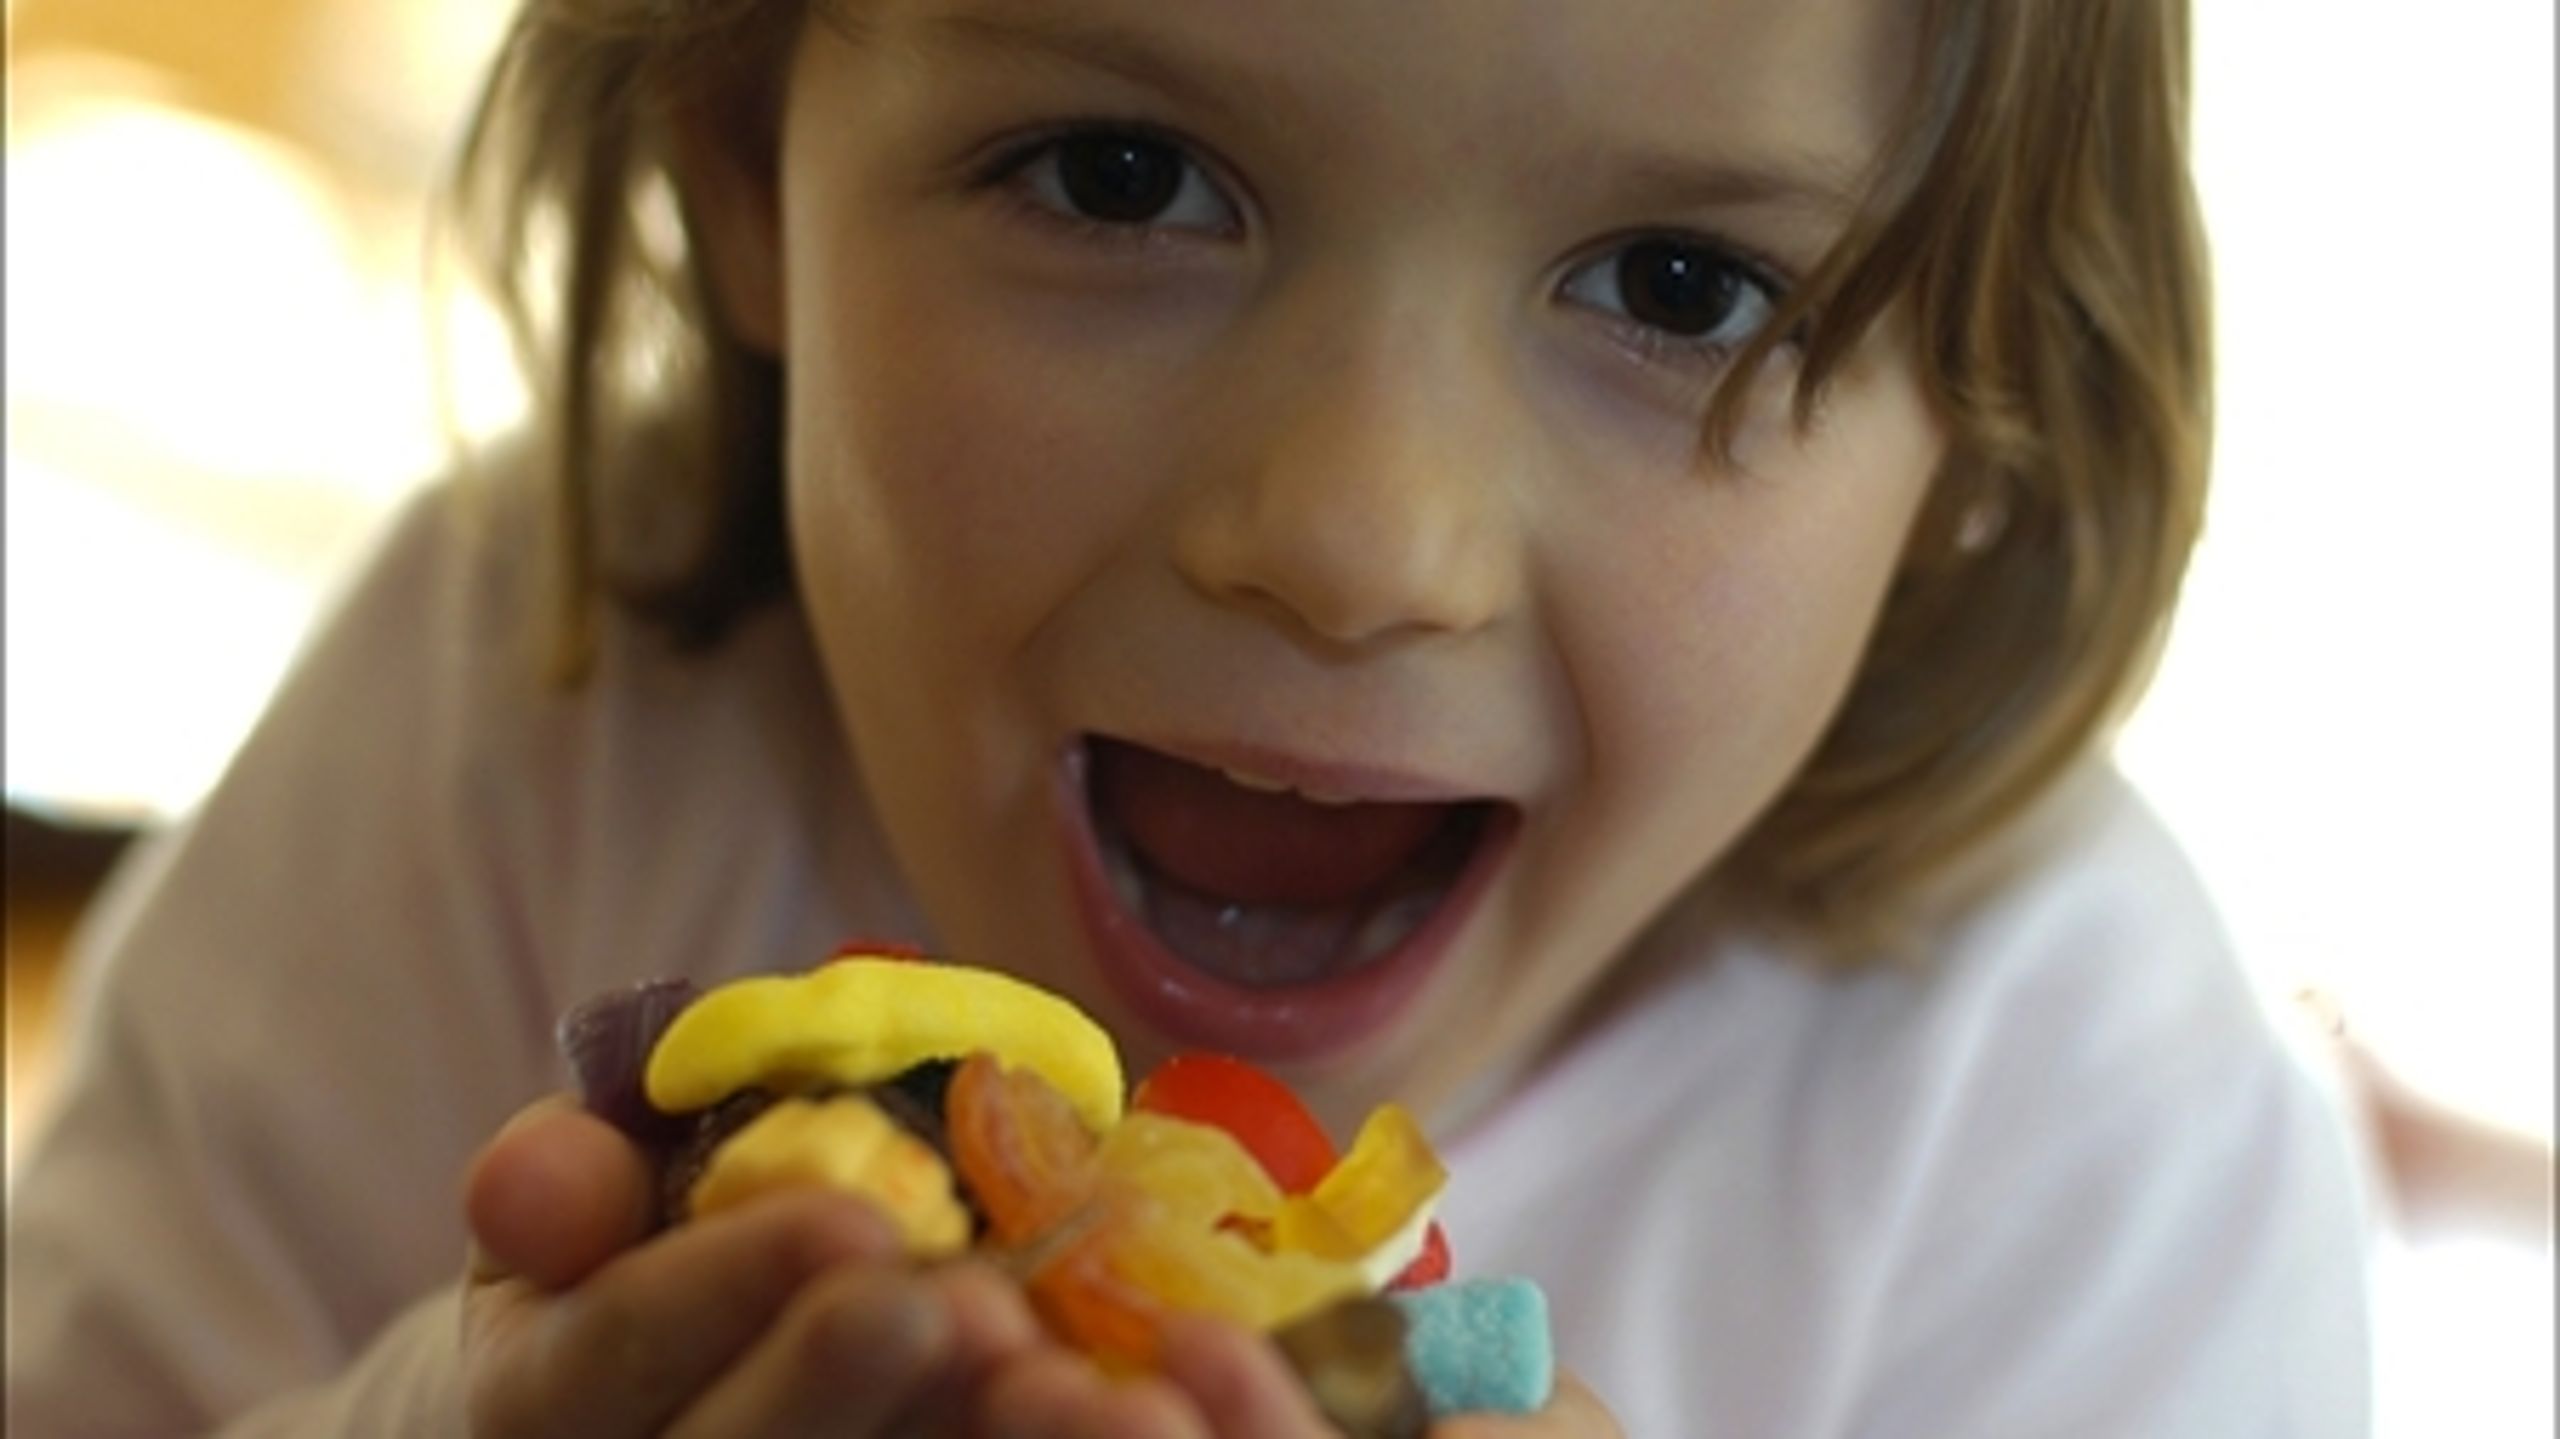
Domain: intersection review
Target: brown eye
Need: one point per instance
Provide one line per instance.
(1122, 179)
(1125, 178)
(1680, 288)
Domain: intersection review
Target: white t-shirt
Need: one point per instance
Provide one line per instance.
(2066, 1182)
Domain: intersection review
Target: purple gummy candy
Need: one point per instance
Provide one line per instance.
(607, 1042)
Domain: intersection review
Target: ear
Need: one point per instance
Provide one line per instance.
(1965, 514)
(725, 154)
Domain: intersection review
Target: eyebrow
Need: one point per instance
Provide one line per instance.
(1812, 184)
(1816, 185)
(1122, 54)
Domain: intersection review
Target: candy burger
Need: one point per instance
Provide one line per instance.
(984, 1115)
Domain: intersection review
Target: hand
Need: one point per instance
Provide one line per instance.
(2449, 1172)
(799, 1314)
(1573, 1412)
(793, 1314)
(1220, 1382)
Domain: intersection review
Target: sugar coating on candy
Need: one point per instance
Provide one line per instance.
(1479, 1346)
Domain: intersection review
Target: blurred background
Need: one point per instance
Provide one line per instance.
(224, 369)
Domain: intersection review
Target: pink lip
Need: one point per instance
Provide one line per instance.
(1300, 1023)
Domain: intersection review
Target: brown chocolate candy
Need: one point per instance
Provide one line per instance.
(1351, 1358)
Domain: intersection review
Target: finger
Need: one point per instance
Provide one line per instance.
(2322, 1009)
(991, 1323)
(863, 1347)
(853, 1350)
(1572, 1412)
(1053, 1393)
(556, 1194)
(1238, 1381)
(650, 1330)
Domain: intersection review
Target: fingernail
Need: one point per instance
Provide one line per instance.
(908, 1324)
(847, 1233)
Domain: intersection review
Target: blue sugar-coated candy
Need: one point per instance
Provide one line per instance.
(1479, 1346)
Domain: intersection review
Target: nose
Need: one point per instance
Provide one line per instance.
(1362, 492)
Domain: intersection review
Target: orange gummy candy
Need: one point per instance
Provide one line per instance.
(1027, 1159)
(1085, 1302)
(1163, 1214)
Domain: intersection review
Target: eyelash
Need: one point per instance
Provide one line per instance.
(1010, 171)
(1767, 283)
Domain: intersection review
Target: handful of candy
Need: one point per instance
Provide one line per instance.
(984, 1114)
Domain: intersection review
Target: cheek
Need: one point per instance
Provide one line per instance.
(1712, 646)
(950, 473)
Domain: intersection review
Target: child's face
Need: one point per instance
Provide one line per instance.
(1312, 392)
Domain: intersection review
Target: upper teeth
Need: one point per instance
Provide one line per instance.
(1255, 781)
(1266, 785)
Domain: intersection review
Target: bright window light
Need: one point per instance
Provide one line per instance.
(213, 404)
(2353, 726)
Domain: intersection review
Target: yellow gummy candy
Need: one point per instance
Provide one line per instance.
(866, 1020)
(1198, 1173)
(1205, 1228)
(1369, 1196)
(847, 1144)
(1215, 1271)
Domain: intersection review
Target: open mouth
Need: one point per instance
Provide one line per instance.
(1250, 916)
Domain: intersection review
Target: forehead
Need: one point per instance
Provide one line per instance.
(1816, 79)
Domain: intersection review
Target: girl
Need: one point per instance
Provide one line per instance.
(1566, 564)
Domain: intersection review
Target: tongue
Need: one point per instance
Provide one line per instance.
(1256, 946)
(1231, 843)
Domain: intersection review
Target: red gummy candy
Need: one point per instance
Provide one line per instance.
(1429, 1267)
(1260, 1111)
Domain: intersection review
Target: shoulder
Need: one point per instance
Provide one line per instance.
(2109, 1165)
(2102, 944)
(2063, 1177)
(423, 779)
(2099, 950)
(669, 810)
(303, 1007)
(2085, 1028)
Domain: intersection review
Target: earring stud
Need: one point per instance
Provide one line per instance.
(1981, 525)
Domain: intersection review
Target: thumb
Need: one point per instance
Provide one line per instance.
(1572, 1412)
(554, 1195)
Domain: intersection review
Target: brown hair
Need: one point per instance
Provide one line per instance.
(563, 200)
(2039, 220)
(2034, 222)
